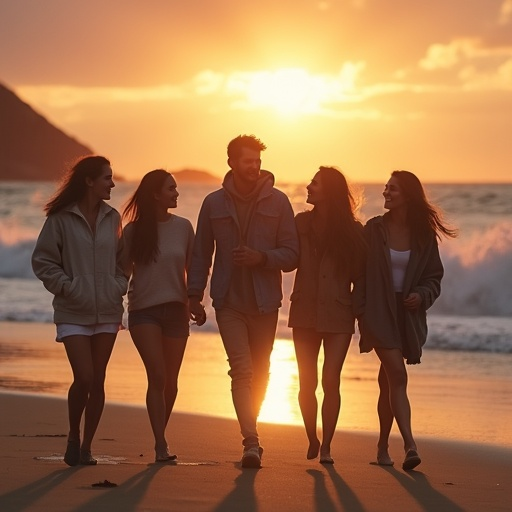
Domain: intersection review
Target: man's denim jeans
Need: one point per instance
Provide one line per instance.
(248, 341)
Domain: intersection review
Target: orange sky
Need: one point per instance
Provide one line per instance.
(366, 85)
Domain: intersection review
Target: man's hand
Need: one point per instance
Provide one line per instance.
(197, 312)
(247, 257)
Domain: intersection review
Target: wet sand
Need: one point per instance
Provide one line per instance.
(459, 396)
(452, 477)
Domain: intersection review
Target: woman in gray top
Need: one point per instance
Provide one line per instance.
(158, 251)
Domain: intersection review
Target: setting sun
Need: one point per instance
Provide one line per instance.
(295, 91)
(288, 91)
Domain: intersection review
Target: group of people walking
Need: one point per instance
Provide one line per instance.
(385, 275)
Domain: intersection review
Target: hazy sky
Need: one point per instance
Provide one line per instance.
(365, 85)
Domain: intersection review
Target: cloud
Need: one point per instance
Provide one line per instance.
(293, 89)
(505, 12)
(475, 65)
(475, 79)
(444, 56)
(356, 4)
(64, 97)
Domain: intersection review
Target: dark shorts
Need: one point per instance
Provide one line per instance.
(172, 317)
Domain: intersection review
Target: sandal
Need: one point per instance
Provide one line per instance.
(412, 459)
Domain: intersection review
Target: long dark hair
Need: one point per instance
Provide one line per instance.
(73, 185)
(423, 217)
(344, 238)
(141, 210)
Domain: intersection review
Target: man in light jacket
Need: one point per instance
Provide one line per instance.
(250, 226)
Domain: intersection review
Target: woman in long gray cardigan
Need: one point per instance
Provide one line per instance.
(403, 279)
(331, 261)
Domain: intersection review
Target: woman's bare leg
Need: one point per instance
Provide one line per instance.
(394, 367)
(174, 350)
(307, 346)
(79, 353)
(101, 350)
(335, 351)
(148, 341)
(385, 419)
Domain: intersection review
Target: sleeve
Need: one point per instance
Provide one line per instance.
(359, 278)
(429, 284)
(202, 253)
(121, 275)
(47, 258)
(285, 256)
(126, 261)
(190, 245)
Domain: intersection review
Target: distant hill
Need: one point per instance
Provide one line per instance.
(192, 176)
(31, 148)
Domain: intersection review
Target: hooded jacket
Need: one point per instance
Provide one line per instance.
(270, 229)
(80, 268)
(376, 308)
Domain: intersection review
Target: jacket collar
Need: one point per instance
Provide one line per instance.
(104, 210)
(263, 186)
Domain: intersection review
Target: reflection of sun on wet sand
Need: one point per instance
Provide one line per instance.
(446, 387)
(453, 476)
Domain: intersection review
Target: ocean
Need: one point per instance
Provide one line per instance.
(474, 312)
(465, 370)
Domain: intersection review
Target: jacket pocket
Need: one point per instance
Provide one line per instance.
(266, 227)
(110, 294)
(80, 297)
(222, 227)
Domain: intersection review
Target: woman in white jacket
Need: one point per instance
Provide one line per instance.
(78, 258)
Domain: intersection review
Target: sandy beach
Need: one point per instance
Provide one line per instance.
(455, 475)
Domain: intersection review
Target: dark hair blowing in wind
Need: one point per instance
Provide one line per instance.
(73, 186)
(345, 237)
(423, 217)
(141, 210)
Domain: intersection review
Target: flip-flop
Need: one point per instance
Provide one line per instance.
(412, 459)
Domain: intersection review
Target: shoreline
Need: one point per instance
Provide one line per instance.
(453, 476)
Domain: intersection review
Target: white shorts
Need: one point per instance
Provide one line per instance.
(64, 330)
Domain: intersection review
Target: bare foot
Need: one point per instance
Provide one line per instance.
(313, 449)
(325, 458)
